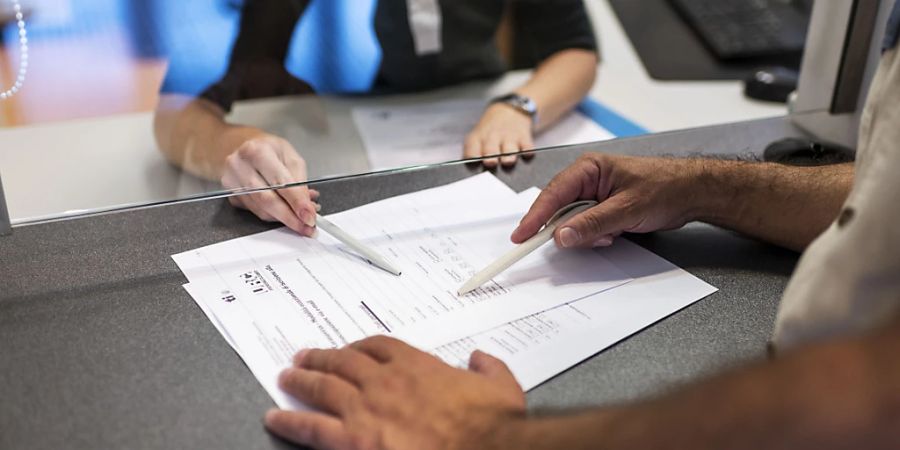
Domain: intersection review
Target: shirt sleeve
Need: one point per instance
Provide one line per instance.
(256, 67)
(892, 31)
(545, 27)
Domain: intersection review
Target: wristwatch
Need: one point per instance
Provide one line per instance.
(521, 103)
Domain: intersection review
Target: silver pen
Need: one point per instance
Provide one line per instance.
(522, 250)
(362, 249)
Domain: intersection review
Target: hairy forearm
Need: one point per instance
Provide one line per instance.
(785, 205)
(832, 396)
(192, 134)
(560, 82)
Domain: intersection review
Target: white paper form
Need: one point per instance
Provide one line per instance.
(264, 350)
(437, 246)
(541, 346)
(536, 348)
(399, 136)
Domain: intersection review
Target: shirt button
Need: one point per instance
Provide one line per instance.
(845, 217)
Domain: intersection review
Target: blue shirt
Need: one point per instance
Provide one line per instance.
(356, 46)
(892, 32)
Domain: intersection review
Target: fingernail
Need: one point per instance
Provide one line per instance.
(298, 358)
(307, 231)
(270, 416)
(602, 242)
(568, 237)
(318, 207)
(308, 218)
(283, 375)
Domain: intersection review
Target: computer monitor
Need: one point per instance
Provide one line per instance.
(842, 52)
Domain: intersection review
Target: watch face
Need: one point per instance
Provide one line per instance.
(524, 103)
(520, 102)
(529, 106)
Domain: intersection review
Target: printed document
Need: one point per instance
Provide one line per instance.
(266, 327)
(438, 238)
(400, 136)
(539, 347)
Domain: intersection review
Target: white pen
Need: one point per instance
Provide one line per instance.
(564, 214)
(350, 241)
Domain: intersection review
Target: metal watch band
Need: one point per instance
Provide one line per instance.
(521, 103)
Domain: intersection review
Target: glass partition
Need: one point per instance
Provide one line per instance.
(121, 104)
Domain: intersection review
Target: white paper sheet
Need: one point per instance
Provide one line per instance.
(265, 351)
(398, 136)
(541, 346)
(536, 347)
(438, 238)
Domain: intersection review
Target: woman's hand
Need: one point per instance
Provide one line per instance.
(501, 130)
(264, 160)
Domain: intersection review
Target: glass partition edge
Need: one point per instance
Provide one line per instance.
(225, 193)
(5, 226)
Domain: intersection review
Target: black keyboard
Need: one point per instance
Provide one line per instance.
(737, 29)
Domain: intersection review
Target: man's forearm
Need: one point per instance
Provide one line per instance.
(785, 205)
(560, 82)
(836, 395)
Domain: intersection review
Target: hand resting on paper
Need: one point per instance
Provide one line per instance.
(556, 86)
(193, 134)
(380, 393)
(263, 160)
(501, 130)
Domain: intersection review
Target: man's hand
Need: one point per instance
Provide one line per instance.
(501, 130)
(265, 160)
(379, 393)
(636, 195)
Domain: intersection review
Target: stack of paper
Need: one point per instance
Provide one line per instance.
(274, 293)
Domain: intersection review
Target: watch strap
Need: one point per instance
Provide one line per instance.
(521, 103)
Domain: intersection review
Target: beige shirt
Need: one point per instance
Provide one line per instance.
(848, 280)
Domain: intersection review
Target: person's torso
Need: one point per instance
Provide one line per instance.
(431, 43)
(848, 280)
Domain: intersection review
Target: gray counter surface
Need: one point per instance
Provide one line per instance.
(100, 347)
